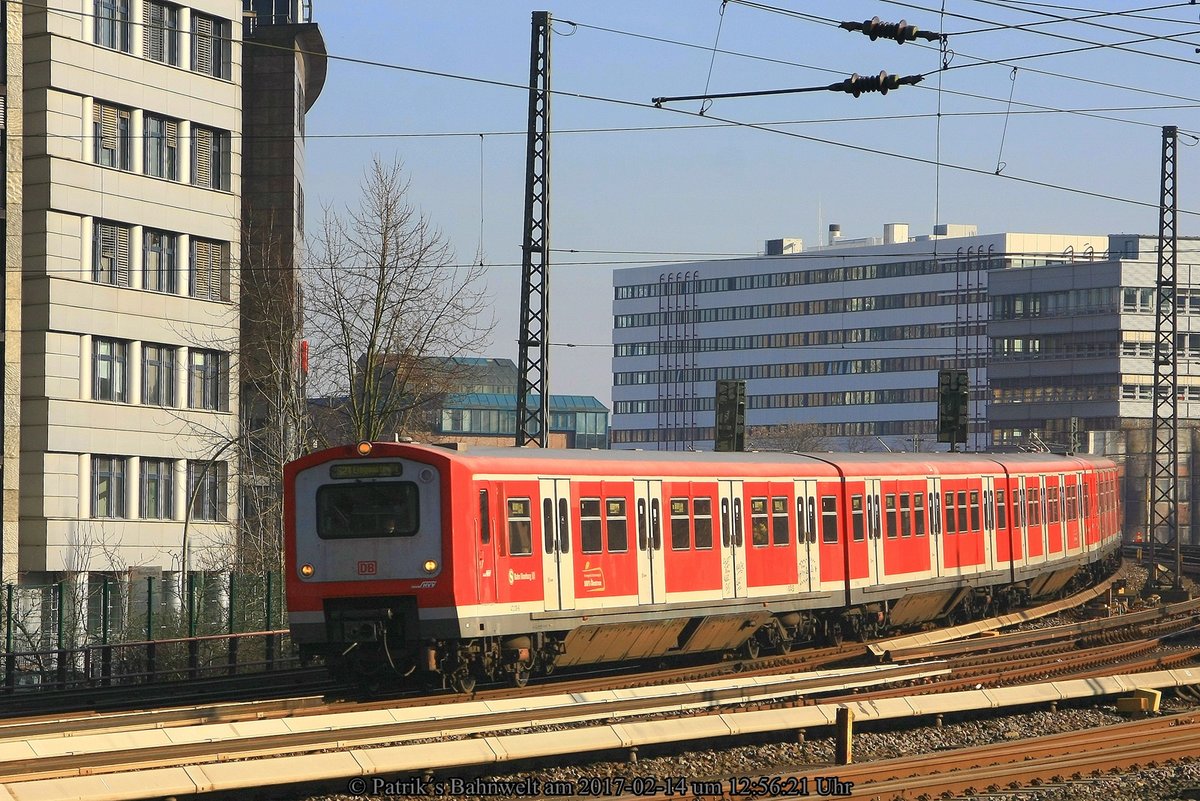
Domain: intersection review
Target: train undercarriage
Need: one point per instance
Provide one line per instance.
(374, 645)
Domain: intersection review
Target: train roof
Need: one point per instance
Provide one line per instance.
(765, 463)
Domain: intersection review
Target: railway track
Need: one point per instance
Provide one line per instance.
(1007, 767)
(309, 725)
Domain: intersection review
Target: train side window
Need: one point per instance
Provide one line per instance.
(725, 522)
(681, 535)
(857, 528)
(1052, 505)
(829, 522)
(906, 514)
(1001, 510)
(759, 535)
(738, 530)
(655, 525)
(702, 513)
(485, 518)
(618, 527)
(564, 527)
(812, 518)
(800, 520)
(919, 512)
(889, 505)
(641, 524)
(975, 510)
(950, 525)
(779, 521)
(962, 512)
(548, 525)
(520, 527)
(590, 539)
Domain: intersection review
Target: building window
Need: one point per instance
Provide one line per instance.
(112, 132)
(158, 375)
(209, 270)
(109, 357)
(108, 486)
(211, 45)
(210, 158)
(112, 24)
(110, 254)
(159, 261)
(206, 489)
(208, 380)
(162, 147)
(300, 107)
(156, 489)
(160, 32)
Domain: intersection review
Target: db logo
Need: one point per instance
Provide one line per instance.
(367, 568)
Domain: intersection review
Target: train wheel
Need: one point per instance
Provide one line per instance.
(785, 644)
(462, 683)
(751, 649)
(520, 676)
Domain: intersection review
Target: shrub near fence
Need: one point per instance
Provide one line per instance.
(121, 631)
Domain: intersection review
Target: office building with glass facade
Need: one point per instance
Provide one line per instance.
(845, 339)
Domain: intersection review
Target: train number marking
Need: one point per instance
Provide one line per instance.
(368, 567)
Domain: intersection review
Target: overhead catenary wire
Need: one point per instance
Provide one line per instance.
(954, 92)
(737, 123)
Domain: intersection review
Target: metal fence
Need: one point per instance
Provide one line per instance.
(104, 630)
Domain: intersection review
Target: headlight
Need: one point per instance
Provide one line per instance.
(307, 571)
(364, 448)
(431, 566)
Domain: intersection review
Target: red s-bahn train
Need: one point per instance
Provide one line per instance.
(503, 562)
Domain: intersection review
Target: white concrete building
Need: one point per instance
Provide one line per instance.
(848, 337)
(130, 333)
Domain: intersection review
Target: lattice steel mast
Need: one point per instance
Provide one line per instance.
(533, 340)
(1164, 486)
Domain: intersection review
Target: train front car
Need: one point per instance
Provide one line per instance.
(367, 547)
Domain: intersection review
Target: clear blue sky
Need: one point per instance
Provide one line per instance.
(725, 189)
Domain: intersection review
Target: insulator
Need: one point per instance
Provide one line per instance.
(858, 84)
(901, 32)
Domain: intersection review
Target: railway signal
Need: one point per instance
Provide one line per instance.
(953, 397)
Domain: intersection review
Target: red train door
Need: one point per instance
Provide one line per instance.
(649, 513)
(1075, 502)
(485, 573)
(558, 573)
(733, 541)
(860, 548)
(1035, 536)
(1053, 496)
(768, 546)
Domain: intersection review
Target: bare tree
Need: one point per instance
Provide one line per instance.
(383, 296)
(274, 417)
(798, 437)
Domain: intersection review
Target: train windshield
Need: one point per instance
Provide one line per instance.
(368, 509)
